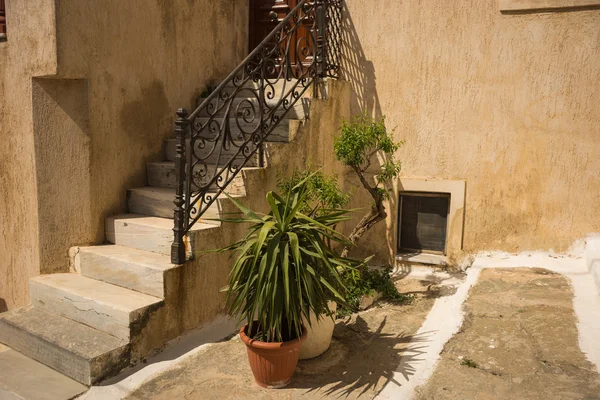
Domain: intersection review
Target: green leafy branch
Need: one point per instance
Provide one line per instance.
(362, 139)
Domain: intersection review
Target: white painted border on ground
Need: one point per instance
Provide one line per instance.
(446, 316)
(174, 355)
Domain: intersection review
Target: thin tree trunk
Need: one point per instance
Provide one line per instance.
(375, 215)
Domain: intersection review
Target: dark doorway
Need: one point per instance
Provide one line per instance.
(2, 20)
(423, 222)
(262, 21)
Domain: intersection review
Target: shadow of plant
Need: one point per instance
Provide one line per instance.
(360, 361)
(429, 287)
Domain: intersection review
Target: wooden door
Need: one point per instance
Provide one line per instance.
(262, 22)
(2, 20)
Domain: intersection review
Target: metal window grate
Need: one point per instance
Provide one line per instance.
(423, 222)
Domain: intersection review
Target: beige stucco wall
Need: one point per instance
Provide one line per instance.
(88, 94)
(509, 103)
(30, 51)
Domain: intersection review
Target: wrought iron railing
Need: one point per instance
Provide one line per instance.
(229, 128)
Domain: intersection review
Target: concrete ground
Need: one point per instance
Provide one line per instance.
(460, 332)
(22, 378)
(365, 352)
(519, 340)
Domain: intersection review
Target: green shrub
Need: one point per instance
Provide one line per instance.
(366, 282)
(469, 363)
(322, 191)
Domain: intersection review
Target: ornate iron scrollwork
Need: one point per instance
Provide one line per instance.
(229, 128)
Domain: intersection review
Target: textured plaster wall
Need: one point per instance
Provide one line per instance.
(509, 103)
(89, 91)
(62, 153)
(30, 51)
(141, 61)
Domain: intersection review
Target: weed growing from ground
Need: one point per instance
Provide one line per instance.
(366, 283)
(469, 363)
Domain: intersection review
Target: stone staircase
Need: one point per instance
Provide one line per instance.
(93, 322)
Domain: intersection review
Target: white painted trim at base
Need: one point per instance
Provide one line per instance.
(446, 317)
(422, 258)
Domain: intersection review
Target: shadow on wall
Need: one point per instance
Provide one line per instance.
(62, 157)
(3, 305)
(359, 71)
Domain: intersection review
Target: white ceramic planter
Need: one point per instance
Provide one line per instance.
(319, 335)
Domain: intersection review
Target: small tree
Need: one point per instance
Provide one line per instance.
(362, 139)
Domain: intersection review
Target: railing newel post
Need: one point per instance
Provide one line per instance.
(261, 111)
(320, 10)
(318, 39)
(181, 132)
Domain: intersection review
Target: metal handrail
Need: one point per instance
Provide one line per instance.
(229, 127)
(246, 60)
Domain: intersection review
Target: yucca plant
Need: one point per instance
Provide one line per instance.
(284, 268)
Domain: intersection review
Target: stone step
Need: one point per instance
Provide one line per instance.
(278, 85)
(109, 308)
(246, 103)
(152, 234)
(162, 175)
(82, 353)
(212, 157)
(158, 202)
(283, 132)
(25, 378)
(133, 269)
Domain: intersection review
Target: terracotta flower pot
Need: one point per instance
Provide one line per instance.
(272, 364)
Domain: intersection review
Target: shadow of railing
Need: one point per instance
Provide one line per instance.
(358, 71)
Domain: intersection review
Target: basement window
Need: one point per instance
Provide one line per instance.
(423, 222)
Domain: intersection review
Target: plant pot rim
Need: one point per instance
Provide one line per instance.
(272, 345)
